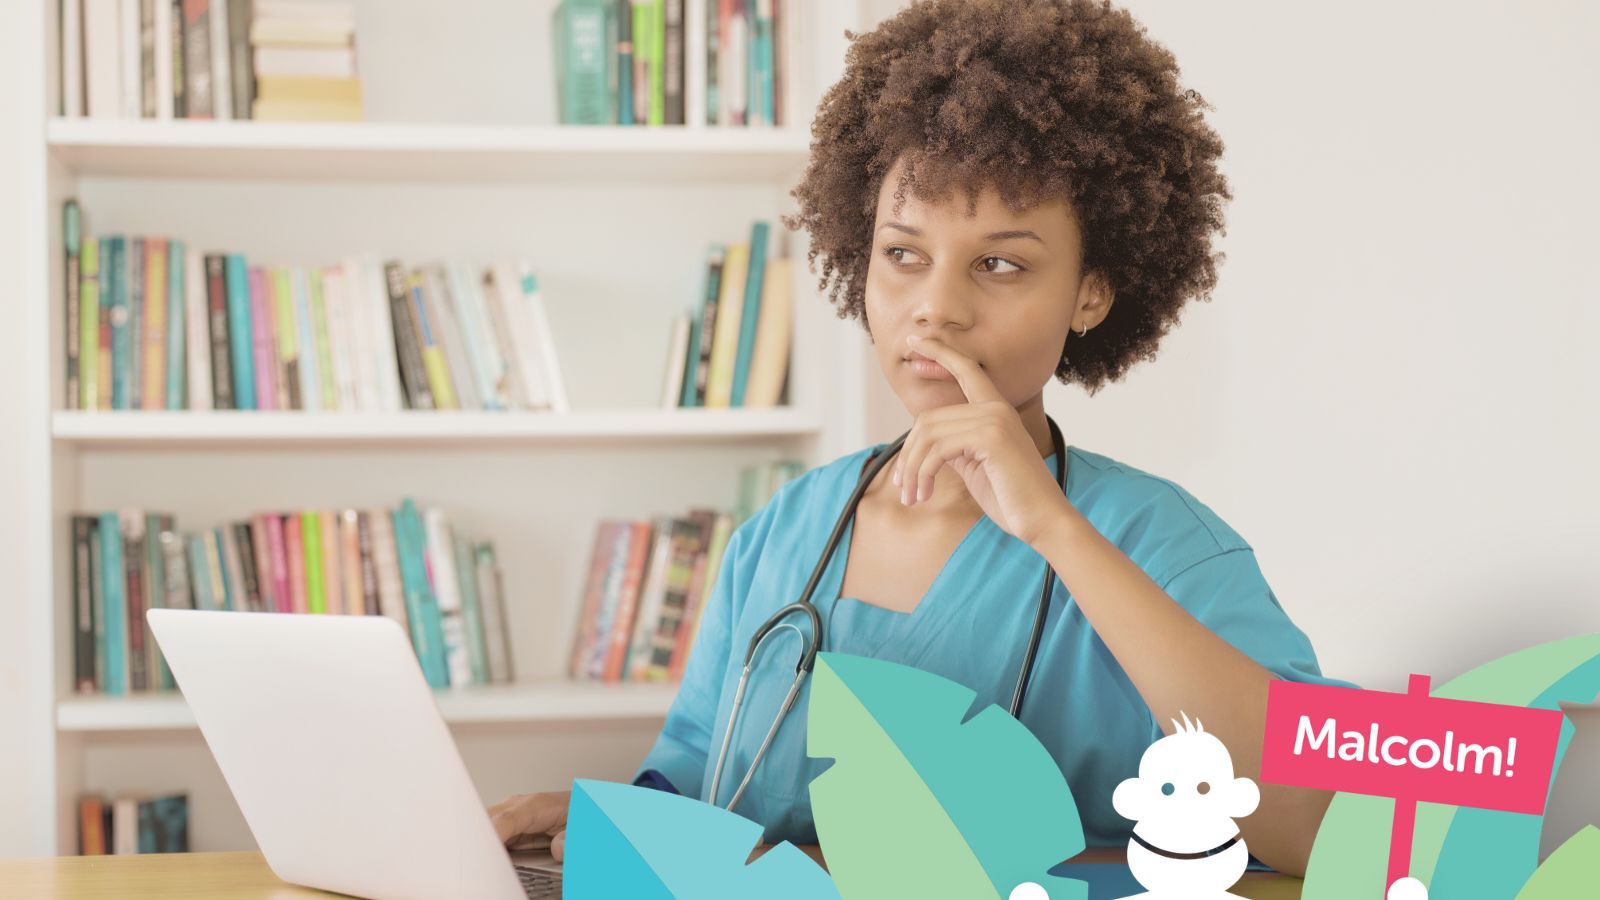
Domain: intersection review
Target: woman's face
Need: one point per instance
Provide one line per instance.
(999, 287)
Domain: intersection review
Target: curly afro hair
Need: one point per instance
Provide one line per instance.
(1040, 99)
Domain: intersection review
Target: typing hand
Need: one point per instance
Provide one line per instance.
(533, 821)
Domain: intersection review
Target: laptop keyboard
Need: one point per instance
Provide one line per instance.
(539, 884)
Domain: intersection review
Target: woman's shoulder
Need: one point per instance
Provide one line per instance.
(1144, 514)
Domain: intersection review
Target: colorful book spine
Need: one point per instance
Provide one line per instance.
(311, 533)
(471, 611)
(294, 542)
(197, 329)
(177, 361)
(114, 678)
(221, 355)
(333, 597)
(84, 531)
(319, 320)
(755, 277)
(216, 564)
(72, 247)
(121, 339)
(135, 286)
(154, 395)
(497, 634)
(200, 574)
(433, 361)
(288, 336)
(240, 331)
(422, 609)
(310, 380)
(261, 315)
(280, 563)
(89, 326)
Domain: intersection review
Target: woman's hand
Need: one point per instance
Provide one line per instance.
(533, 821)
(985, 441)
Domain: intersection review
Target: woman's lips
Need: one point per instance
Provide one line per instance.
(927, 368)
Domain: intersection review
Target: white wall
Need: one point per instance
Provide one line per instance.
(1389, 395)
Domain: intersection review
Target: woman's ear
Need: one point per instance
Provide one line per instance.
(1097, 295)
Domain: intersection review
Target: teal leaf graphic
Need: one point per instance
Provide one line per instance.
(641, 843)
(919, 803)
(1458, 851)
(1568, 872)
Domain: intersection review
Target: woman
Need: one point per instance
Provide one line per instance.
(1043, 195)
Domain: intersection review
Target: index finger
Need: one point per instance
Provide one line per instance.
(970, 377)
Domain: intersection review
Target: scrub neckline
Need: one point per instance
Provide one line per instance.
(846, 540)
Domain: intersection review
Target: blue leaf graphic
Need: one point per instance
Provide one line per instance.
(639, 843)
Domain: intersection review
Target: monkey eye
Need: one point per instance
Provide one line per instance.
(1167, 789)
(1202, 788)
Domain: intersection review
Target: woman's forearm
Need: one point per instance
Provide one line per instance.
(1178, 664)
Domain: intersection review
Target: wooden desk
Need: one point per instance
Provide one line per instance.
(245, 876)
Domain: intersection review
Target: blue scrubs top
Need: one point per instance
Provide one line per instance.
(971, 627)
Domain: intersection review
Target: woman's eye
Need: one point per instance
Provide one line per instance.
(891, 251)
(1014, 266)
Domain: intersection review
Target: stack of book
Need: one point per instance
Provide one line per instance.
(622, 62)
(732, 348)
(133, 824)
(445, 589)
(649, 580)
(152, 323)
(208, 59)
(305, 61)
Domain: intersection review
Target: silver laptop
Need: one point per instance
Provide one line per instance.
(330, 739)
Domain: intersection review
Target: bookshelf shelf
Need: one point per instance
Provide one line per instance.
(550, 701)
(382, 151)
(131, 430)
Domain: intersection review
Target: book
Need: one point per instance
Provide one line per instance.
(466, 565)
(749, 318)
(114, 674)
(583, 37)
(84, 535)
(725, 340)
(72, 239)
(240, 329)
(197, 321)
(422, 608)
(88, 332)
(177, 324)
(769, 360)
(156, 302)
(222, 383)
(496, 625)
(135, 286)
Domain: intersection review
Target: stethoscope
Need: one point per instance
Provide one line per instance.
(810, 644)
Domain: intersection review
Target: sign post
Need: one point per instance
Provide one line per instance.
(1410, 747)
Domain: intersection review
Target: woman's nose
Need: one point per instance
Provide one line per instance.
(945, 298)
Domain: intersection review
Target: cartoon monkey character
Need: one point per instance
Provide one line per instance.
(1185, 845)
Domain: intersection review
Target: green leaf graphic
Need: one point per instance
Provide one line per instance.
(1568, 872)
(920, 804)
(1458, 851)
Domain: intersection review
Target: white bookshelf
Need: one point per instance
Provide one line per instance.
(173, 430)
(552, 701)
(396, 151)
(461, 159)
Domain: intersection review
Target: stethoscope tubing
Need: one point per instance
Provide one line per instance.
(809, 648)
